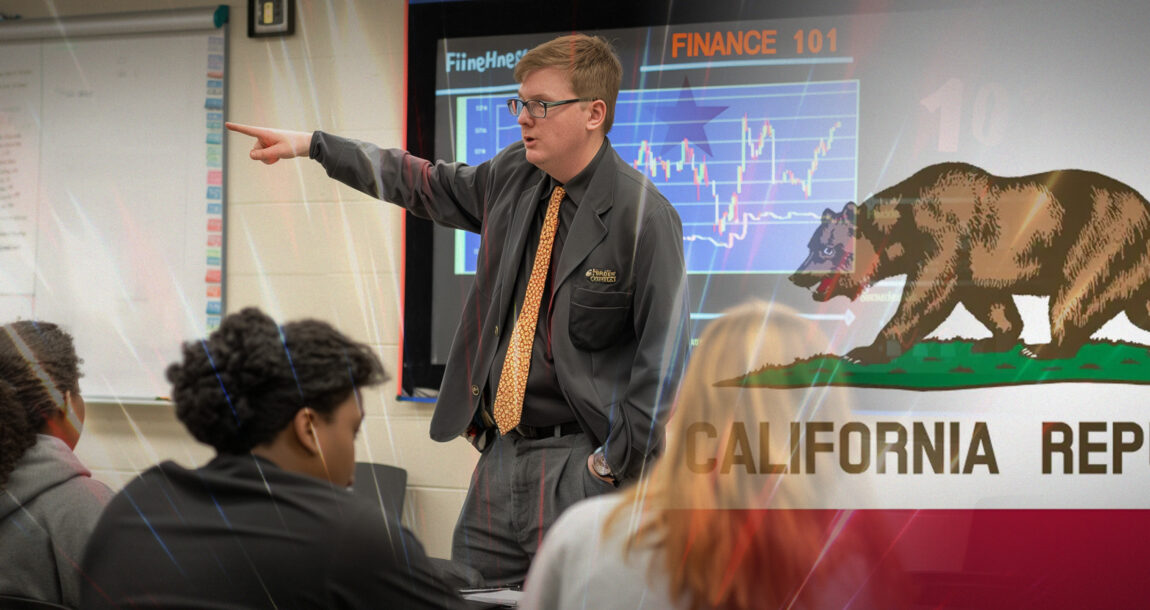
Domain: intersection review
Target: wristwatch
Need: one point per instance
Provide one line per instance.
(600, 466)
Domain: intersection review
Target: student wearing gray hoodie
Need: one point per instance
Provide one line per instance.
(49, 502)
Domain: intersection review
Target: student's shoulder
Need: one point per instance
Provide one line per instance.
(596, 504)
(148, 493)
(80, 492)
(584, 518)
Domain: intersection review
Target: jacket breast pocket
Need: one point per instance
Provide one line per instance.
(599, 319)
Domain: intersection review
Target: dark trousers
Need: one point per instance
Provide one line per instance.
(518, 489)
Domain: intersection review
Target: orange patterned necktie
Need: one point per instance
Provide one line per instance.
(513, 379)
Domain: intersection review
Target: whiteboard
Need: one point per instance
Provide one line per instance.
(111, 197)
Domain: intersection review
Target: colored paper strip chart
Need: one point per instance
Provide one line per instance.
(213, 198)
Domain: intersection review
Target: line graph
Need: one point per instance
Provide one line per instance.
(749, 168)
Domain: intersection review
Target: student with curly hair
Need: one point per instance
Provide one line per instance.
(269, 522)
(49, 502)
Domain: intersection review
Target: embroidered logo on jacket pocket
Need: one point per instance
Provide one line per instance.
(602, 276)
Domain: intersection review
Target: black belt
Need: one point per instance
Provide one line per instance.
(533, 432)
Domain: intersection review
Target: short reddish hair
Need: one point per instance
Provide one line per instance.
(590, 63)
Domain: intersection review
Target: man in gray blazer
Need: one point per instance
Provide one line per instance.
(578, 409)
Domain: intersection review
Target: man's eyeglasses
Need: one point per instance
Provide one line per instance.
(538, 109)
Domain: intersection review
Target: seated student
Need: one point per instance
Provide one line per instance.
(681, 537)
(49, 502)
(270, 521)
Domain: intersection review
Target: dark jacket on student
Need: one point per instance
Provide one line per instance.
(241, 532)
(47, 512)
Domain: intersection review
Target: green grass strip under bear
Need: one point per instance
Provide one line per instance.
(950, 365)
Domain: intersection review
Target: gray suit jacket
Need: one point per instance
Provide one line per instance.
(620, 313)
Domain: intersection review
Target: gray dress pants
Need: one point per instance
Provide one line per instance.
(518, 489)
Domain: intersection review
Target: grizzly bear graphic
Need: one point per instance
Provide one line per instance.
(962, 235)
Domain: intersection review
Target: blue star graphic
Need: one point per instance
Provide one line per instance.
(685, 119)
